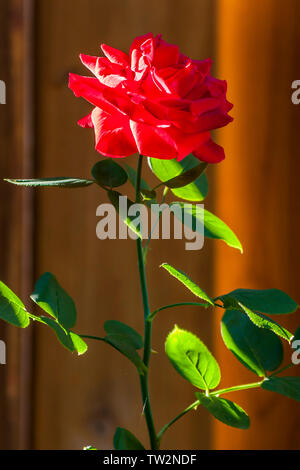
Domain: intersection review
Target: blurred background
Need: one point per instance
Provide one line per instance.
(51, 399)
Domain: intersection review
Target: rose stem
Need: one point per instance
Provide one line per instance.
(148, 325)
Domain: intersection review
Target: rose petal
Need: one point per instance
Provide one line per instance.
(210, 152)
(115, 55)
(113, 135)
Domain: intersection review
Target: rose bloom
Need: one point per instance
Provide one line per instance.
(155, 101)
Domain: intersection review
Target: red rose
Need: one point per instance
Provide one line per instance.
(155, 101)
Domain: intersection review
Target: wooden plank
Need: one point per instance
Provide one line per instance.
(14, 431)
(82, 400)
(259, 191)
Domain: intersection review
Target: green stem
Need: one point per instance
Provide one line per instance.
(145, 249)
(197, 403)
(180, 415)
(179, 304)
(148, 325)
(98, 338)
(236, 388)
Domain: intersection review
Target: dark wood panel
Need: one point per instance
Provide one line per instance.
(15, 239)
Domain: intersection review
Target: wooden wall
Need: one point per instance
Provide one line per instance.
(258, 191)
(50, 399)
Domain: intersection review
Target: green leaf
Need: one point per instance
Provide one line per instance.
(57, 182)
(288, 386)
(187, 282)
(90, 448)
(128, 220)
(54, 300)
(216, 228)
(262, 321)
(114, 327)
(68, 339)
(256, 348)
(12, 310)
(125, 440)
(186, 177)
(213, 226)
(125, 340)
(271, 301)
(192, 360)
(109, 173)
(148, 195)
(297, 334)
(226, 411)
(166, 170)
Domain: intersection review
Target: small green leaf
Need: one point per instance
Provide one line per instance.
(187, 282)
(216, 228)
(288, 386)
(213, 226)
(186, 177)
(80, 346)
(12, 310)
(270, 301)
(54, 300)
(128, 220)
(226, 411)
(57, 182)
(114, 327)
(262, 321)
(258, 349)
(297, 334)
(148, 195)
(192, 360)
(68, 339)
(109, 173)
(90, 448)
(166, 170)
(125, 340)
(125, 440)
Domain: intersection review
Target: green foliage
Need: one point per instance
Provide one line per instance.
(224, 410)
(128, 220)
(90, 448)
(288, 386)
(125, 440)
(68, 339)
(192, 360)
(54, 300)
(297, 334)
(262, 321)
(117, 328)
(270, 301)
(213, 226)
(187, 282)
(258, 349)
(194, 184)
(125, 340)
(12, 310)
(109, 173)
(56, 182)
